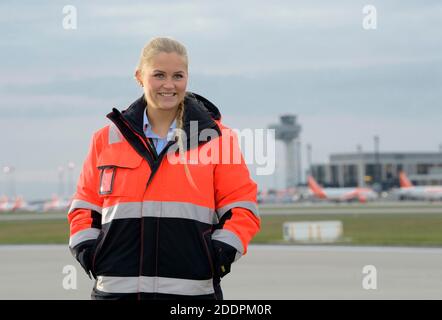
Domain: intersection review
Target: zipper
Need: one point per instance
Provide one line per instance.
(158, 163)
(152, 174)
(151, 158)
(154, 163)
(154, 160)
(152, 147)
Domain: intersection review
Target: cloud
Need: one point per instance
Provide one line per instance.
(50, 106)
(253, 59)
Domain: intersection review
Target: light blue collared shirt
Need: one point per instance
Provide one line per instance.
(159, 142)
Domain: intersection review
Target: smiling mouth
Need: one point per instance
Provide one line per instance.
(167, 94)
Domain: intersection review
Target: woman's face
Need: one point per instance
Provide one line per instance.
(164, 81)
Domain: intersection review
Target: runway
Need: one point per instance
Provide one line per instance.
(266, 272)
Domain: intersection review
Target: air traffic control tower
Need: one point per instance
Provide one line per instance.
(288, 131)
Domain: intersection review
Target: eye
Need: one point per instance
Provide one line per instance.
(159, 75)
(178, 76)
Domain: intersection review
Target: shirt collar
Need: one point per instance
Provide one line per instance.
(150, 134)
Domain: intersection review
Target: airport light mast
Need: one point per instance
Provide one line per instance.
(71, 167)
(9, 172)
(288, 131)
(60, 181)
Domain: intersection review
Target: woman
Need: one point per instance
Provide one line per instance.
(146, 226)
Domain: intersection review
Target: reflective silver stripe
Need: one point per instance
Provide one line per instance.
(80, 204)
(183, 210)
(229, 237)
(114, 134)
(154, 284)
(117, 284)
(237, 256)
(83, 235)
(161, 209)
(123, 210)
(252, 206)
(185, 286)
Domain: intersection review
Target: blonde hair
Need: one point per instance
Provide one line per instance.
(159, 45)
(150, 50)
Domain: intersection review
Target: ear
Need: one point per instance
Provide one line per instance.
(138, 77)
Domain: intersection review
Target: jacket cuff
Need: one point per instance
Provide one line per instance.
(224, 257)
(84, 255)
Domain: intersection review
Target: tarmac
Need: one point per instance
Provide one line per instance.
(283, 272)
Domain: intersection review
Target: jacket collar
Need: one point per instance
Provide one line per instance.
(196, 108)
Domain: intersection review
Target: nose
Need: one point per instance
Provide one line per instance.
(168, 84)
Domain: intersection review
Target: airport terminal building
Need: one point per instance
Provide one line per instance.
(366, 169)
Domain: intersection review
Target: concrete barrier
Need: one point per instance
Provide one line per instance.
(312, 231)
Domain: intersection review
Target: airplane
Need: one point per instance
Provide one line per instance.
(5, 205)
(56, 204)
(341, 194)
(409, 191)
(262, 195)
(19, 204)
(288, 195)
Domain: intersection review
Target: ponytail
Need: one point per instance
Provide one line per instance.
(180, 126)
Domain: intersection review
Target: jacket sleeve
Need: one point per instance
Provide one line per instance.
(235, 201)
(84, 215)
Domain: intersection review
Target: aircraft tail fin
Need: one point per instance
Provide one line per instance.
(18, 203)
(3, 202)
(316, 188)
(404, 181)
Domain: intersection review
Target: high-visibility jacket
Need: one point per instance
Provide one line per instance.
(143, 226)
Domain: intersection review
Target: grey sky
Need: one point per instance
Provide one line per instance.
(254, 59)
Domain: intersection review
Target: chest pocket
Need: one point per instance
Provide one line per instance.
(120, 172)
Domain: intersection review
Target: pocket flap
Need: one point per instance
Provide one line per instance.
(119, 155)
